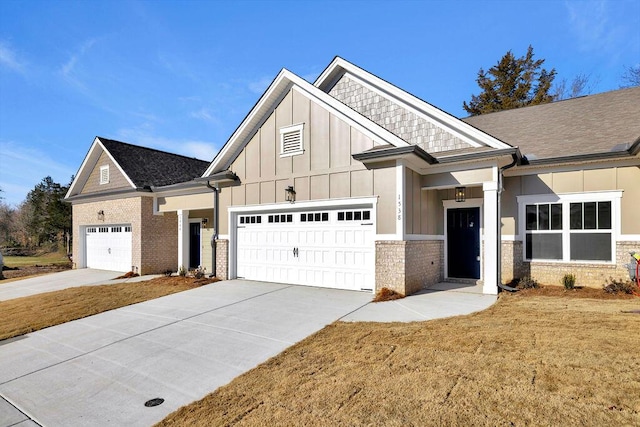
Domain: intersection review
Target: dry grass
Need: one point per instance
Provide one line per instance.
(528, 360)
(386, 294)
(28, 314)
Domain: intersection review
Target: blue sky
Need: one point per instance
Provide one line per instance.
(181, 75)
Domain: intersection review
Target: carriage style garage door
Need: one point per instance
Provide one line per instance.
(328, 248)
(109, 247)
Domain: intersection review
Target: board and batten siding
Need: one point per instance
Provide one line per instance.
(588, 180)
(325, 170)
(116, 178)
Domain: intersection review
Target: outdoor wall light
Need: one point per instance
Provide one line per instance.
(205, 221)
(461, 194)
(290, 194)
(100, 215)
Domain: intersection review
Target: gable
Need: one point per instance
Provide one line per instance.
(328, 142)
(396, 118)
(116, 179)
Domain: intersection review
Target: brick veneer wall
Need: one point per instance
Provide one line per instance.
(159, 248)
(551, 273)
(222, 259)
(408, 266)
(154, 246)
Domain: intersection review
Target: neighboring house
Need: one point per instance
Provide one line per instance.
(386, 190)
(115, 226)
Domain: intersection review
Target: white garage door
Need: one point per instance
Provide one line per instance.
(327, 248)
(109, 247)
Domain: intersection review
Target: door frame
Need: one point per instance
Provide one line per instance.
(469, 203)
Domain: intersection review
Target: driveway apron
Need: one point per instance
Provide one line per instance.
(101, 370)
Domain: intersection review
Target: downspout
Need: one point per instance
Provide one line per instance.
(499, 219)
(214, 238)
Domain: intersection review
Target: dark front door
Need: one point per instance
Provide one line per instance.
(463, 243)
(194, 245)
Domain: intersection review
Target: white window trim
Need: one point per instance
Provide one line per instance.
(566, 199)
(104, 175)
(289, 129)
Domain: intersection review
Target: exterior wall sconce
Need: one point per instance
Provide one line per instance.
(290, 194)
(204, 222)
(461, 194)
(100, 215)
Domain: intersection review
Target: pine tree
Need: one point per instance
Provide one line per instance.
(512, 83)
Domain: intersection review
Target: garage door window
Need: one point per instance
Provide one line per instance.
(314, 217)
(354, 216)
(251, 219)
(280, 218)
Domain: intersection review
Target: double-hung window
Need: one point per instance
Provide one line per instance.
(569, 228)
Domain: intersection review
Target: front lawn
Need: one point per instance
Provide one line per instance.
(28, 314)
(528, 360)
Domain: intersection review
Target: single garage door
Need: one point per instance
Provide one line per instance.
(109, 247)
(326, 248)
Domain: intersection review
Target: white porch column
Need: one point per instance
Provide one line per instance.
(491, 235)
(183, 238)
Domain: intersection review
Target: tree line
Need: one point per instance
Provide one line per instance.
(41, 221)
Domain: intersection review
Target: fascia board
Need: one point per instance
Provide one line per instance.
(116, 163)
(523, 170)
(276, 91)
(82, 173)
(454, 125)
(242, 129)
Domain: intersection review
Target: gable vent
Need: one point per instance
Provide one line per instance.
(291, 140)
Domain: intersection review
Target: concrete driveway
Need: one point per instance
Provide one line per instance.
(61, 280)
(102, 369)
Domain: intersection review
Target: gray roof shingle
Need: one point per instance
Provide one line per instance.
(600, 123)
(147, 167)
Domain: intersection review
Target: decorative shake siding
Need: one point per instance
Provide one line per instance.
(408, 266)
(393, 117)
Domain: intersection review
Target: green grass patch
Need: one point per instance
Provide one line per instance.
(26, 261)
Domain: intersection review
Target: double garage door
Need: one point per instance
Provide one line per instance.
(326, 248)
(108, 247)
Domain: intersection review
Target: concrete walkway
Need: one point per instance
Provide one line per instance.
(62, 280)
(102, 369)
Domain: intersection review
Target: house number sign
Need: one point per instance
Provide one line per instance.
(399, 207)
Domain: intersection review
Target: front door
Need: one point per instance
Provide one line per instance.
(194, 245)
(463, 243)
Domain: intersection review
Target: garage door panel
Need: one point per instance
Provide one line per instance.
(108, 247)
(330, 252)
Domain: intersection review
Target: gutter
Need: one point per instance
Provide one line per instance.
(585, 157)
(132, 192)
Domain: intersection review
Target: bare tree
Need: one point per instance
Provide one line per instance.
(631, 76)
(581, 85)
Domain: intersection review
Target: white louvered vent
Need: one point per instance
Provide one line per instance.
(104, 174)
(291, 140)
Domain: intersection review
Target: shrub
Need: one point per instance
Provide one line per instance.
(620, 286)
(386, 294)
(528, 282)
(182, 272)
(569, 281)
(199, 272)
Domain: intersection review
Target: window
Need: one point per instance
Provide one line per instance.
(354, 216)
(575, 227)
(104, 174)
(280, 218)
(543, 239)
(251, 219)
(314, 217)
(590, 234)
(291, 140)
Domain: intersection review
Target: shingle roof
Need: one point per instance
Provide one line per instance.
(153, 168)
(600, 123)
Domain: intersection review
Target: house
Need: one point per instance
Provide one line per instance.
(351, 182)
(112, 196)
